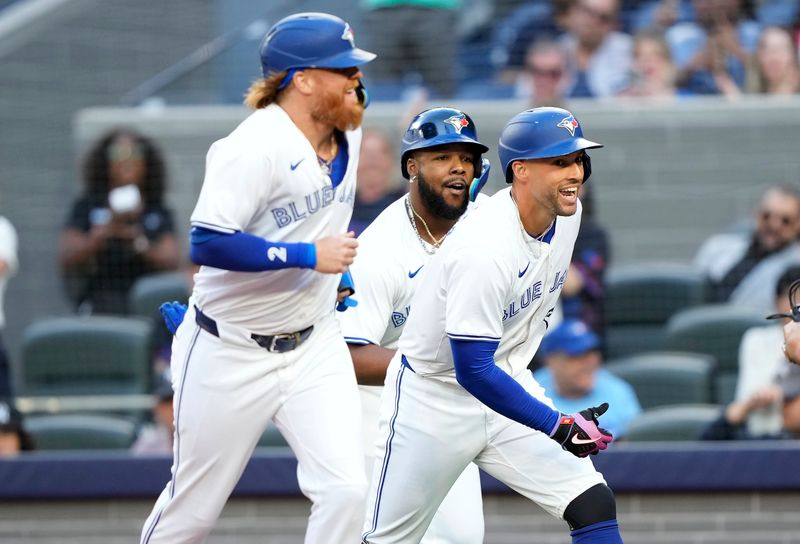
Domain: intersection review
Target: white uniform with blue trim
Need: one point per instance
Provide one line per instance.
(490, 281)
(264, 179)
(390, 265)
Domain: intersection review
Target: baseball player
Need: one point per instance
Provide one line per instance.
(440, 156)
(260, 341)
(458, 389)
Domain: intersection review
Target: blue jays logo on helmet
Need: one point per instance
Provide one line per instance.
(440, 126)
(538, 134)
(569, 123)
(310, 40)
(458, 122)
(348, 35)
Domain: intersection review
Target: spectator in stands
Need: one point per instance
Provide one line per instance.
(653, 72)
(776, 67)
(543, 83)
(157, 438)
(744, 267)
(413, 36)
(573, 377)
(659, 15)
(713, 51)
(513, 37)
(119, 228)
(767, 401)
(13, 436)
(599, 56)
(8, 267)
(377, 180)
(583, 294)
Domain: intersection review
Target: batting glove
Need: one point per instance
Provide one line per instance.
(579, 433)
(173, 314)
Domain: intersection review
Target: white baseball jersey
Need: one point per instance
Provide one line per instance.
(491, 281)
(494, 283)
(390, 264)
(264, 179)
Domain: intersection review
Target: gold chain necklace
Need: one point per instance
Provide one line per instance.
(411, 213)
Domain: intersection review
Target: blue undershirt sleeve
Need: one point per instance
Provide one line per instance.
(477, 372)
(243, 252)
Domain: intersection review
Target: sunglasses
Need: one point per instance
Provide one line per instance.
(346, 72)
(552, 73)
(786, 220)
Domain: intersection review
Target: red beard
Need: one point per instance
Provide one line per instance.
(330, 108)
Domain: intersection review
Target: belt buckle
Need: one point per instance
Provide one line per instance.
(273, 344)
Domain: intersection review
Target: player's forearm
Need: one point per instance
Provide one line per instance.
(477, 372)
(370, 362)
(243, 252)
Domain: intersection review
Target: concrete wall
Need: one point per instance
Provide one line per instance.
(741, 518)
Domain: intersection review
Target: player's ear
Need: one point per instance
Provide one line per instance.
(520, 170)
(412, 167)
(303, 81)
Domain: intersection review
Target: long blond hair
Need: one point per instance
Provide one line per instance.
(264, 91)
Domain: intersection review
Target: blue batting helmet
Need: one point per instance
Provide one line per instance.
(540, 133)
(310, 40)
(440, 126)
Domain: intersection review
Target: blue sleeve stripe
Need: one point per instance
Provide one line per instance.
(215, 228)
(456, 336)
(477, 372)
(243, 252)
(358, 341)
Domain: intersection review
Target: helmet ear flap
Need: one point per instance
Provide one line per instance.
(587, 166)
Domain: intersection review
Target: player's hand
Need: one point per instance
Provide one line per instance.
(335, 253)
(579, 433)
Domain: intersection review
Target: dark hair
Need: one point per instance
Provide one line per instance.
(95, 169)
(789, 276)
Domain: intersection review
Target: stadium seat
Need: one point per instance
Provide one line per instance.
(672, 423)
(81, 432)
(151, 290)
(716, 330)
(97, 355)
(667, 378)
(641, 298)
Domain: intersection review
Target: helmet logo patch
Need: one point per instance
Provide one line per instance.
(458, 122)
(570, 124)
(348, 35)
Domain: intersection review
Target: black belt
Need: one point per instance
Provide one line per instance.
(277, 343)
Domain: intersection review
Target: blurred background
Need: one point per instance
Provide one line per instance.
(690, 237)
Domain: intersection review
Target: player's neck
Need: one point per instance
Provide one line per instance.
(320, 135)
(535, 219)
(438, 226)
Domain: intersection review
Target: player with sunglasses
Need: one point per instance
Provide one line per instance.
(743, 267)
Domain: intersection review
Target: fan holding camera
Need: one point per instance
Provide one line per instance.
(119, 228)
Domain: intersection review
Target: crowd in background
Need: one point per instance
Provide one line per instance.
(552, 51)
